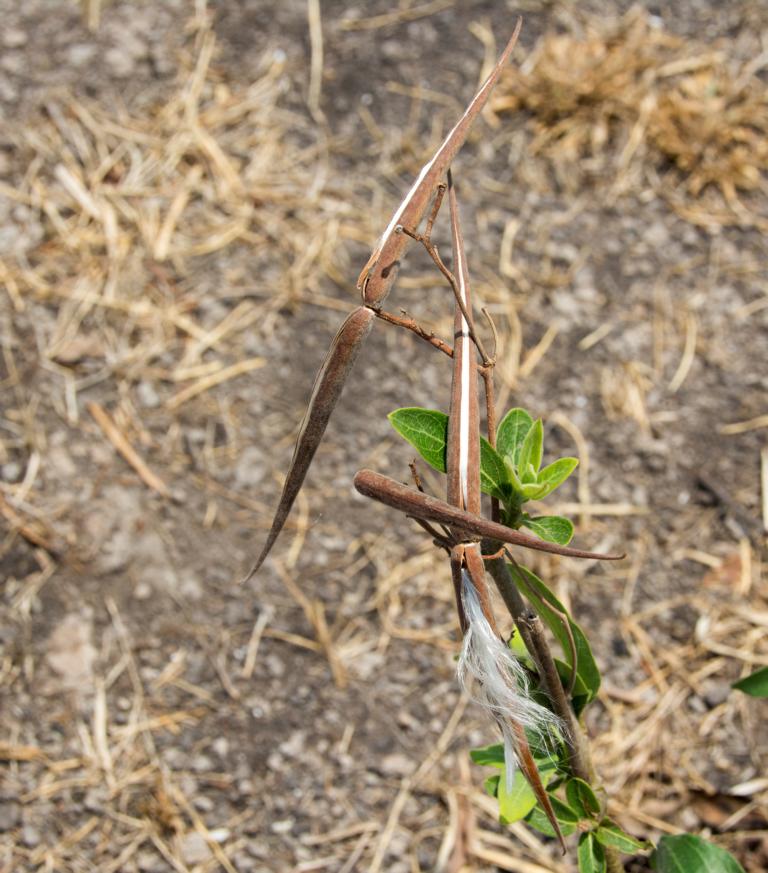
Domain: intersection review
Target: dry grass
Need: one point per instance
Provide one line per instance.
(131, 205)
(631, 94)
(121, 210)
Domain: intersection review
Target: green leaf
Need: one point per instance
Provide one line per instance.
(590, 854)
(518, 802)
(580, 695)
(495, 475)
(533, 491)
(532, 448)
(611, 835)
(542, 600)
(426, 430)
(517, 645)
(756, 684)
(566, 818)
(489, 756)
(582, 798)
(511, 432)
(553, 528)
(554, 474)
(689, 854)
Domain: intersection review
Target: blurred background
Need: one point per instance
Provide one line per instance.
(187, 194)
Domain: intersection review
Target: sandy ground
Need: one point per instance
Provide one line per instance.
(184, 207)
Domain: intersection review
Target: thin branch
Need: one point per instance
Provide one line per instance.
(439, 194)
(410, 324)
(490, 416)
(579, 754)
(416, 478)
(494, 333)
(432, 251)
(441, 541)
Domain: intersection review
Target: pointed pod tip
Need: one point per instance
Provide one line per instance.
(255, 567)
(601, 557)
(515, 34)
(277, 526)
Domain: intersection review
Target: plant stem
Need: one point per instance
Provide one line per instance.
(490, 415)
(452, 281)
(531, 631)
(580, 760)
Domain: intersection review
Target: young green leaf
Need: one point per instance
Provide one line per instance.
(517, 803)
(582, 798)
(590, 854)
(553, 528)
(689, 854)
(532, 448)
(426, 430)
(533, 490)
(489, 756)
(495, 475)
(491, 785)
(511, 432)
(543, 601)
(517, 645)
(554, 474)
(611, 835)
(566, 818)
(756, 684)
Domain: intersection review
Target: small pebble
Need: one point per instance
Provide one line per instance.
(194, 848)
(14, 37)
(282, 827)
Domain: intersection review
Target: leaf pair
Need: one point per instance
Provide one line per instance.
(519, 448)
(577, 652)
